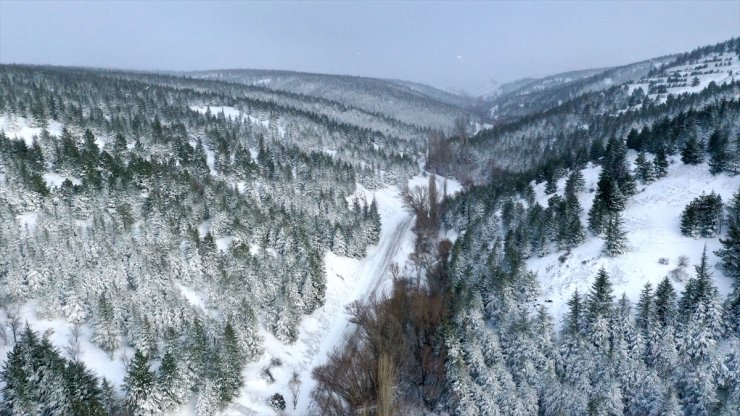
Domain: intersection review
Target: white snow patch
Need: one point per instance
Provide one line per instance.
(204, 228)
(224, 243)
(55, 180)
(192, 296)
(23, 129)
(27, 220)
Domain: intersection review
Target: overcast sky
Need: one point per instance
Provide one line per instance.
(446, 44)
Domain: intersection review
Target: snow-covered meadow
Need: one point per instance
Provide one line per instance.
(651, 220)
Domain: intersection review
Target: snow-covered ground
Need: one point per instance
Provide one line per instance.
(717, 68)
(237, 115)
(23, 129)
(651, 219)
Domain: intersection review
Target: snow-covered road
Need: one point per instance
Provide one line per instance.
(348, 280)
(327, 328)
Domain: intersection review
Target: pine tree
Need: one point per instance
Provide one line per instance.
(139, 385)
(665, 303)
(729, 255)
(692, 152)
(645, 316)
(615, 238)
(615, 165)
(596, 216)
(375, 223)
(699, 290)
(660, 163)
(167, 379)
(109, 400)
(730, 251)
(608, 200)
(702, 216)
(105, 329)
(717, 147)
(208, 402)
(17, 389)
(600, 299)
(644, 171)
(231, 361)
(573, 322)
(575, 182)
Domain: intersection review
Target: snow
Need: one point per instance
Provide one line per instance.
(204, 228)
(211, 161)
(224, 243)
(23, 129)
(27, 220)
(237, 115)
(53, 179)
(97, 360)
(264, 81)
(726, 73)
(422, 180)
(478, 127)
(651, 219)
(192, 296)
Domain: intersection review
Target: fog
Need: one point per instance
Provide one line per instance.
(453, 45)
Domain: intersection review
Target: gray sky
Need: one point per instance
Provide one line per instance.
(459, 45)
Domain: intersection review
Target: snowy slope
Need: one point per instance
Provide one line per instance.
(23, 129)
(651, 220)
(679, 79)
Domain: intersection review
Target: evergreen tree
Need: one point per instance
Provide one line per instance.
(615, 165)
(719, 156)
(645, 171)
(730, 251)
(615, 238)
(702, 216)
(665, 303)
(660, 163)
(645, 316)
(609, 199)
(600, 300)
(692, 152)
(573, 323)
(139, 386)
(231, 361)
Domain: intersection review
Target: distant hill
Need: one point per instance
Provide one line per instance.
(422, 105)
(529, 96)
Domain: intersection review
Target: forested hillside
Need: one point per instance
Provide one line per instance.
(605, 221)
(422, 105)
(589, 267)
(167, 222)
(257, 242)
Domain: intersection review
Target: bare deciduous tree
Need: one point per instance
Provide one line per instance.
(295, 388)
(73, 347)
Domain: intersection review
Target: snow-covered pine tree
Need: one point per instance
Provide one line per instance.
(660, 163)
(692, 152)
(139, 386)
(615, 238)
